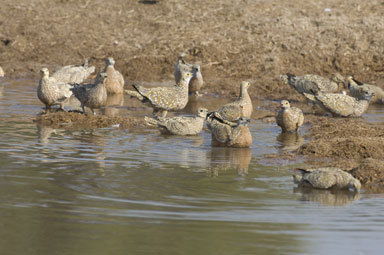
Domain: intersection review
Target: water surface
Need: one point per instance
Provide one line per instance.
(115, 191)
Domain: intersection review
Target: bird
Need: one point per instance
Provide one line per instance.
(289, 118)
(344, 105)
(312, 82)
(51, 92)
(355, 89)
(92, 95)
(73, 73)
(196, 82)
(164, 99)
(326, 178)
(1, 72)
(235, 134)
(179, 125)
(241, 107)
(115, 80)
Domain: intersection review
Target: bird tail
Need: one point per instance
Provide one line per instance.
(150, 121)
(134, 93)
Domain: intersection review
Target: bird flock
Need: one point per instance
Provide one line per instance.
(228, 125)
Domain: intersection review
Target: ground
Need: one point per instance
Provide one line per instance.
(255, 40)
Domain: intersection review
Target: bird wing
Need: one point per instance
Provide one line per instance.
(339, 104)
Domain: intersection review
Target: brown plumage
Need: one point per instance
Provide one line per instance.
(164, 99)
(326, 178)
(74, 74)
(241, 107)
(289, 118)
(94, 95)
(196, 82)
(51, 92)
(180, 125)
(115, 80)
(234, 134)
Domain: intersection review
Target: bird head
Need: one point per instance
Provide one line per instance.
(284, 104)
(109, 61)
(354, 185)
(44, 72)
(202, 112)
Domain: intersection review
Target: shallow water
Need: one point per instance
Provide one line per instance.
(113, 191)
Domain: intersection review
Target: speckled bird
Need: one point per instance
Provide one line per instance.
(344, 105)
(241, 107)
(310, 83)
(179, 125)
(115, 80)
(355, 89)
(235, 134)
(164, 99)
(51, 92)
(326, 178)
(92, 95)
(74, 74)
(196, 82)
(289, 118)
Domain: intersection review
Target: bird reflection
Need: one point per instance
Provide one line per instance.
(327, 197)
(44, 133)
(224, 158)
(114, 101)
(289, 141)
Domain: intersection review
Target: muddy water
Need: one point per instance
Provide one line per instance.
(114, 191)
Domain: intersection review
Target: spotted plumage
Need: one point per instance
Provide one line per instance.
(356, 90)
(164, 99)
(92, 95)
(310, 83)
(74, 74)
(51, 92)
(241, 107)
(115, 80)
(344, 105)
(326, 178)
(180, 125)
(289, 118)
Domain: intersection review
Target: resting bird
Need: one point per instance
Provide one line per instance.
(179, 125)
(289, 118)
(74, 74)
(1, 72)
(51, 92)
(344, 105)
(355, 89)
(196, 83)
(164, 99)
(241, 107)
(326, 178)
(235, 134)
(94, 95)
(310, 83)
(115, 80)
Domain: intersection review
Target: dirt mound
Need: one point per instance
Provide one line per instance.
(371, 173)
(344, 139)
(75, 120)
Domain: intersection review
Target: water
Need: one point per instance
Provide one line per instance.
(113, 191)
